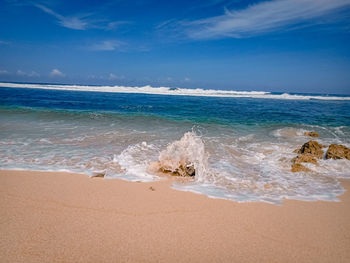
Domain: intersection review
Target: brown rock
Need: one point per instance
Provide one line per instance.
(98, 174)
(267, 186)
(183, 170)
(311, 134)
(190, 171)
(313, 148)
(336, 151)
(304, 158)
(297, 167)
(308, 153)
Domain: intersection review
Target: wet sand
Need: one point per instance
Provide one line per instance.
(61, 217)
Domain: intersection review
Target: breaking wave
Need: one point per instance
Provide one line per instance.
(177, 91)
(250, 169)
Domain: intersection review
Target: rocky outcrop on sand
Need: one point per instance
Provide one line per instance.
(98, 174)
(308, 153)
(305, 158)
(311, 134)
(336, 151)
(182, 170)
(313, 148)
(297, 167)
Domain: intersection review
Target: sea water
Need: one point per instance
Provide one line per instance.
(240, 143)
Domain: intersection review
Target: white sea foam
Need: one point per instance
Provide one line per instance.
(134, 161)
(175, 91)
(288, 132)
(255, 170)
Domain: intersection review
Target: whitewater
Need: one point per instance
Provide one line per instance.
(178, 91)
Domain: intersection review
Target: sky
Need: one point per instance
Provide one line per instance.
(271, 45)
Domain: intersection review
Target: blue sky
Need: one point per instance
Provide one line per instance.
(272, 45)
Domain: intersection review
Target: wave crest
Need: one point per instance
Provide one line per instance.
(176, 91)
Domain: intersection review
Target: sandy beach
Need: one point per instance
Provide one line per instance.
(62, 217)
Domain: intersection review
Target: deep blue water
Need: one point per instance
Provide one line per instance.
(230, 111)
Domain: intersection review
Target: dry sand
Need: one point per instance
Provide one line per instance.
(60, 217)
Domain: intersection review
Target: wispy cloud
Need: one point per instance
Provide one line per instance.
(107, 45)
(114, 25)
(3, 72)
(56, 73)
(114, 77)
(4, 42)
(264, 17)
(81, 21)
(27, 74)
(73, 22)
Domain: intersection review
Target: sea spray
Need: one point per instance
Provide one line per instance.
(186, 152)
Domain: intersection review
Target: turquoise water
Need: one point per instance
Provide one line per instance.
(240, 142)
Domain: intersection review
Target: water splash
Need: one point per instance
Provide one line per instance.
(187, 151)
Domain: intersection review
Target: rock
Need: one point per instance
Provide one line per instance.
(98, 174)
(313, 148)
(267, 186)
(304, 158)
(308, 153)
(182, 170)
(189, 170)
(311, 134)
(296, 151)
(338, 151)
(297, 167)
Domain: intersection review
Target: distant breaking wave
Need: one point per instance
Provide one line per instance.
(175, 91)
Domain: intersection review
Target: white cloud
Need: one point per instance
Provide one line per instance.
(56, 73)
(3, 72)
(33, 74)
(261, 18)
(81, 21)
(107, 45)
(72, 22)
(20, 73)
(187, 79)
(114, 24)
(27, 74)
(112, 76)
(4, 42)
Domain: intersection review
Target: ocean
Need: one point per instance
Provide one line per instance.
(240, 143)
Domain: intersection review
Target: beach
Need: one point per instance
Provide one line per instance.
(175, 131)
(63, 217)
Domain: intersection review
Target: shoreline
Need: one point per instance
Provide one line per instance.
(64, 217)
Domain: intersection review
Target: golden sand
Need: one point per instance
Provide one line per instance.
(61, 217)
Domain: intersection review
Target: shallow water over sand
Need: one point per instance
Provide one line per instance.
(241, 147)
